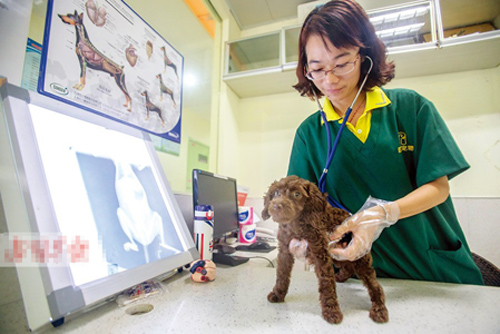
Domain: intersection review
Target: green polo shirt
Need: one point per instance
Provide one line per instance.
(408, 145)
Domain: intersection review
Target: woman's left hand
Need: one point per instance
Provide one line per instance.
(366, 226)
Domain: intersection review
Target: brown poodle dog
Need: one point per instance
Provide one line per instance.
(303, 212)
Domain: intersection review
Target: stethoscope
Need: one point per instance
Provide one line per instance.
(333, 148)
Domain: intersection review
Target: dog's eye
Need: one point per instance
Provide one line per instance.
(296, 194)
(277, 193)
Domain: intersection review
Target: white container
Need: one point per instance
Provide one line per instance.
(204, 231)
(247, 234)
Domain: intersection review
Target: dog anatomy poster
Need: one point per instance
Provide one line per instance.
(101, 56)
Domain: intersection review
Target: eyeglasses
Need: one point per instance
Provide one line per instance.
(338, 70)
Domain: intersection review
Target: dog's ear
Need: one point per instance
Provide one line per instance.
(265, 213)
(315, 206)
(316, 197)
(267, 200)
(66, 19)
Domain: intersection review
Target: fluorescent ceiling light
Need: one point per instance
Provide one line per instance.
(409, 29)
(400, 15)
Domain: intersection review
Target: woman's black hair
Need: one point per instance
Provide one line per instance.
(345, 24)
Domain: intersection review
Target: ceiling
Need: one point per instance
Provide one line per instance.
(254, 13)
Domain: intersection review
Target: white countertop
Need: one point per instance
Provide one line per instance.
(236, 302)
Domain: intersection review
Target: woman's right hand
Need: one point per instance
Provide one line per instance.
(298, 248)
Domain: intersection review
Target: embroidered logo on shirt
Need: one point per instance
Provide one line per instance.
(403, 141)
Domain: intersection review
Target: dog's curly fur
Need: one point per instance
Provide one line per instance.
(302, 212)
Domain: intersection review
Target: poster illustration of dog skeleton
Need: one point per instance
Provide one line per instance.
(100, 55)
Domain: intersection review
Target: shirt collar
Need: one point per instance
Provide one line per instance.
(375, 98)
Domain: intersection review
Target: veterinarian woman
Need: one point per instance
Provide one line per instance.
(395, 149)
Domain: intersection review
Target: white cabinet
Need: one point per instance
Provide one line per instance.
(423, 38)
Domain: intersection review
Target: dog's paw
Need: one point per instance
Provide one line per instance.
(379, 313)
(128, 246)
(333, 316)
(274, 298)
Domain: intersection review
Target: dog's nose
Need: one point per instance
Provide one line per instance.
(278, 206)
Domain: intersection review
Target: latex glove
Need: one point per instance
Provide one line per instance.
(366, 226)
(298, 248)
